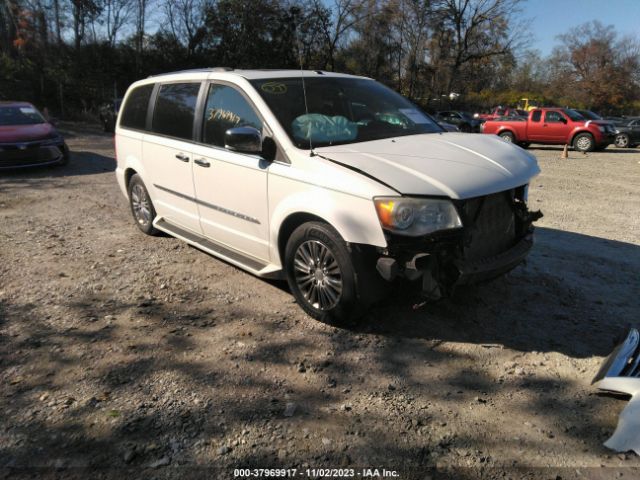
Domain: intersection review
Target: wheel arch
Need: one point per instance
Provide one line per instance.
(575, 134)
(288, 226)
(128, 173)
(507, 130)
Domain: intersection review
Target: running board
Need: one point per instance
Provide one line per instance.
(232, 256)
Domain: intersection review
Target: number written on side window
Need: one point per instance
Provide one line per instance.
(175, 110)
(226, 108)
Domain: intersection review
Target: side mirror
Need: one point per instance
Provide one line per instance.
(243, 140)
(563, 120)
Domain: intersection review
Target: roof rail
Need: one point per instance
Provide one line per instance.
(208, 69)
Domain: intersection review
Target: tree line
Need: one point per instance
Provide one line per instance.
(74, 55)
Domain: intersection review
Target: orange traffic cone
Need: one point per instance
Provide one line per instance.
(565, 152)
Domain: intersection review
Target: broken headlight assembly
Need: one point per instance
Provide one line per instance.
(414, 217)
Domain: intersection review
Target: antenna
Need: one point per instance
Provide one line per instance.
(304, 90)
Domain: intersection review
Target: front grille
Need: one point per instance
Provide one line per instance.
(490, 225)
(32, 155)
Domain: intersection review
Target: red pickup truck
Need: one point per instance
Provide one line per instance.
(554, 126)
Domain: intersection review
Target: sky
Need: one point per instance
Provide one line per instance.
(550, 18)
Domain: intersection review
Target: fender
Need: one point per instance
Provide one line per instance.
(353, 217)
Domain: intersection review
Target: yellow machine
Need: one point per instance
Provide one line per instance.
(526, 105)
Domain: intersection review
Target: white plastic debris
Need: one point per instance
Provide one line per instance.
(627, 434)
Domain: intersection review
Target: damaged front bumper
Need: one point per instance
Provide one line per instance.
(497, 236)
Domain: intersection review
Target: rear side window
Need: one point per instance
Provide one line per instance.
(536, 116)
(134, 114)
(175, 110)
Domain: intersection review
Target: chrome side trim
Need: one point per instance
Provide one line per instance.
(218, 208)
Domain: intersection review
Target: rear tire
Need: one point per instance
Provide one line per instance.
(507, 137)
(321, 273)
(583, 142)
(142, 208)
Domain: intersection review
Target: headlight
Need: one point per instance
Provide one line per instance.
(416, 216)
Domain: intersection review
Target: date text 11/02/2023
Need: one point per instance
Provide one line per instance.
(315, 473)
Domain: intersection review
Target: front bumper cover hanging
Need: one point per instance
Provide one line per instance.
(620, 373)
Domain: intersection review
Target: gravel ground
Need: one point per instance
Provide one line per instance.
(123, 355)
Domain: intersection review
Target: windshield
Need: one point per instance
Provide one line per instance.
(19, 115)
(341, 110)
(573, 115)
(590, 115)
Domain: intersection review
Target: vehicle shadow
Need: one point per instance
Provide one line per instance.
(560, 148)
(576, 295)
(80, 163)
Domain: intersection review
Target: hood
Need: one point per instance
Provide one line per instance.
(26, 133)
(455, 165)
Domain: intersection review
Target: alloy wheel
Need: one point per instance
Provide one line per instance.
(622, 141)
(318, 275)
(583, 143)
(140, 205)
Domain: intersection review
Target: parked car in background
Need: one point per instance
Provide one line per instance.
(588, 114)
(337, 184)
(463, 120)
(447, 126)
(109, 113)
(27, 139)
(628, 133)
(501, 112)
(554, 126)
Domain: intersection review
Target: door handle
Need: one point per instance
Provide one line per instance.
(202, 162)
(182, 157)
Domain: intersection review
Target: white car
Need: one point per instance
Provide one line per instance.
(332, 181)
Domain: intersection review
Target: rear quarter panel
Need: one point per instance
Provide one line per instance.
(519, 129)
(128, 146)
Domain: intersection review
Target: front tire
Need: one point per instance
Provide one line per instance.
(142, 208)
(583, 142)
(65, 156)
(321, 273)
(622, 141)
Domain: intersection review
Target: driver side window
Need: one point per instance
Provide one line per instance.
(226, 108)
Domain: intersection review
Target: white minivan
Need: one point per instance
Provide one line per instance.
(332, 181)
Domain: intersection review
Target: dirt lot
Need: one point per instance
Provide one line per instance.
(135, 357)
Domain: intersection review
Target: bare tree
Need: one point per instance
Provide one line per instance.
(471, 31)
(347, 14)
(115, 15)
(415, 22)
(186, 20)
(83, 13)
